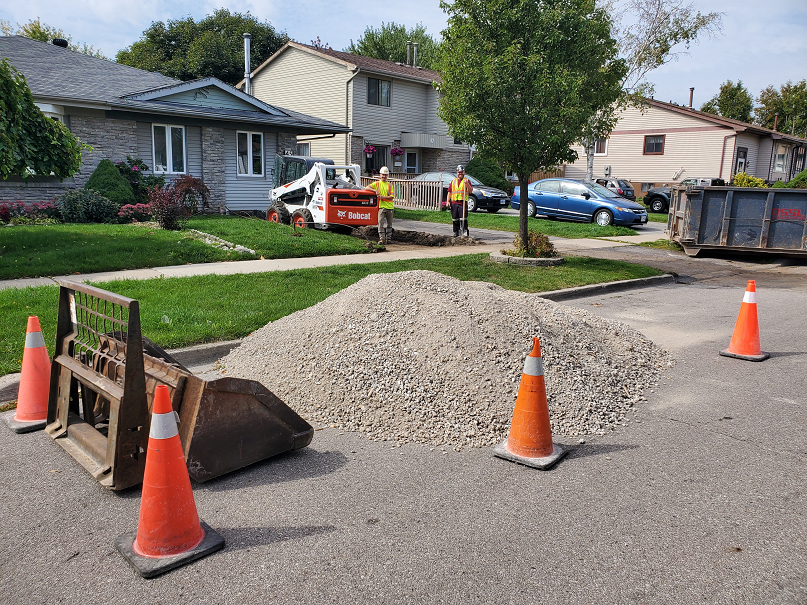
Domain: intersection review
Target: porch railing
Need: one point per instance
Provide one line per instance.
(414, 195)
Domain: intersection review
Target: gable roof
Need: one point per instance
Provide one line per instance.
(352, 62)
(736, 125)
(63, 76)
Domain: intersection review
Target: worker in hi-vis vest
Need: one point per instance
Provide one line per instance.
(458, 193)
(386, 195)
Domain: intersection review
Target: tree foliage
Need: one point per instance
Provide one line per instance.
(186, 50)
(790, 102)
(389, 44)
(489, 172)
(36, 30)
(30, 142)
(521, 80)
(733, 101)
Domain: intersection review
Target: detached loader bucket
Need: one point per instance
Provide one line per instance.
(103, 378)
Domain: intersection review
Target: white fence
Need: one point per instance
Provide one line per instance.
(414, 195)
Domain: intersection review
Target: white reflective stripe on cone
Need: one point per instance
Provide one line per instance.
(750, 297)
(534, 366)
(34, 340)
(163, 426)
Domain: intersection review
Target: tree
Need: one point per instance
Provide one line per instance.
(733, 101)
(790, 102)
(186, 50)
(521, 80)
(36, 30)
(389, 44)
(650, 33)
(30, 142)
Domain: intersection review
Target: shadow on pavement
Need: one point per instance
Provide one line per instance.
(240, 538)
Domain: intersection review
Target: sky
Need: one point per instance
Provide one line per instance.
(761, 44)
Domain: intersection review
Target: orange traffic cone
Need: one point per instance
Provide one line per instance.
(530, 439)
(169, 533)
(745, 340)
(32, 399)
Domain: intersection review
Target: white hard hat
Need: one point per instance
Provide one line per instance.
(384, 170)
(460, 168)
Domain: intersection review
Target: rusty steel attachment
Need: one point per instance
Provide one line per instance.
(102, 384)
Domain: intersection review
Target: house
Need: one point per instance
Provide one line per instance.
(204, 127)
(386, 105)
(665, 143)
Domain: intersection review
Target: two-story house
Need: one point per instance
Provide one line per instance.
(665, 143)
(386, 105)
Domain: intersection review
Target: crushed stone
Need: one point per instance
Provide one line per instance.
(418, 356)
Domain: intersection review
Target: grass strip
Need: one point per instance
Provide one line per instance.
(663, 244)
(177, 312)
(504, 222)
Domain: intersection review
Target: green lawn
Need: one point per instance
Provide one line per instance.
(212, 308)
(503, 222)
(47, 250)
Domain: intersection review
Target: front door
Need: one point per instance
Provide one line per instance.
(412, 162)
(742, 157)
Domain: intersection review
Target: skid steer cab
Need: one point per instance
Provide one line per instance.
(326, 196)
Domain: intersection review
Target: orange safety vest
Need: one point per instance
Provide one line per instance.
(457, 192)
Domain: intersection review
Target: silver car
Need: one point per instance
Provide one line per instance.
(621, 187)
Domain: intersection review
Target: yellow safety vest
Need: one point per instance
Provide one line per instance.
(456, 192)
(384, 188)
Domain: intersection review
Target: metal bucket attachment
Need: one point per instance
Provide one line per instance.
(103, 378)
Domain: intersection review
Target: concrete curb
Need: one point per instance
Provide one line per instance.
(530, 262)
(203, 354)
(608, 287)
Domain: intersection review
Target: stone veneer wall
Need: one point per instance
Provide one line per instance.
(35, 189)
(286, 143)
(357, 150)
(442, 160)
(213, 165)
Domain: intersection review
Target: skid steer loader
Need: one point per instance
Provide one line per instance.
(103, 379)
(327, 195)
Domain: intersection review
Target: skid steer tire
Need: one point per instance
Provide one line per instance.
(302, 219)
(278, 213)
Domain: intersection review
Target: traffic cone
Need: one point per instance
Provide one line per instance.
(169, 533)
(32, 399)
(745, 340)
(530, 438)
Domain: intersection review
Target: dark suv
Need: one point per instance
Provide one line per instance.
(658, 198)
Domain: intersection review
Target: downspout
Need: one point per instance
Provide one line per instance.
(347, 114)
(723, 155)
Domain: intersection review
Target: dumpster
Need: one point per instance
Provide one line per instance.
(739, 219)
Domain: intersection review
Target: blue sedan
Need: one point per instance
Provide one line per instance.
(575, 200)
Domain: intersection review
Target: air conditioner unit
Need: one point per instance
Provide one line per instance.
(607, 170)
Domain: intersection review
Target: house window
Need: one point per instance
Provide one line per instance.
(601, 147)
(654, 145)
(169, 148)
(378, 91)
(781, 158)
(411, 162)
(250, 153)
(457, 141)
(304, 149)
(742, 156)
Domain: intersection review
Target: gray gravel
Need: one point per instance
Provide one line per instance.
(421, 357)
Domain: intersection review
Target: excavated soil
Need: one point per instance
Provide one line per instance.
(415, 238)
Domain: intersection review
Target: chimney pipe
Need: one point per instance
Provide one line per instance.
(408, 52)
(414, 54)
(247, 70)
(775, 120)
(691, 92)
(60, 42)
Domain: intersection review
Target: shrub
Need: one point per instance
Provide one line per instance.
(537, 246)
(779, 185)
(799, 181)
(741, 179)
(489, 172)
(107, 180)
(86, 206)
(37, 213)
(168, 209)
(191, 192)
(137, 213)
(133, 170)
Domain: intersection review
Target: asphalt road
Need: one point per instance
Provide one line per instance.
(700, 498)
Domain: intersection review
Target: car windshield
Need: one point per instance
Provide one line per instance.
(600, 190)
(474, 181)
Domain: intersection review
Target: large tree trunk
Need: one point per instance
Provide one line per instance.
(590, 162)
(522, 211)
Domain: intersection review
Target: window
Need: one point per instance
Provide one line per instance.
(411, 162)
(654, 145)
(378, 91)
(781, 158)
(742, 156)
(379, 159)
(457, 141)
(169, 148)
(601, 147)
(250, 153)
(549, 186)
(304, 149)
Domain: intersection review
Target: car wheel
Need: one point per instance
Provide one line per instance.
(472, 204)
(493, 210)
(302, 219)
(657, 205)
(603, 218)
(531, 209)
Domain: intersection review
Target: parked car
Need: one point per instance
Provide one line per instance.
(621, 187)
(482, 198)
(575, 200)
(658, 198)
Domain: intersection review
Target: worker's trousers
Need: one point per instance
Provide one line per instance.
(459, 216)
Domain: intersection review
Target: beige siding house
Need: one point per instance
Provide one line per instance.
(386, 105)
(665, 143)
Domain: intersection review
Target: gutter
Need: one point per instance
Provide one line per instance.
(347, 114)
(723, 155)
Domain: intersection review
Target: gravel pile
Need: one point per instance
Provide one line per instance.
(419, 356)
